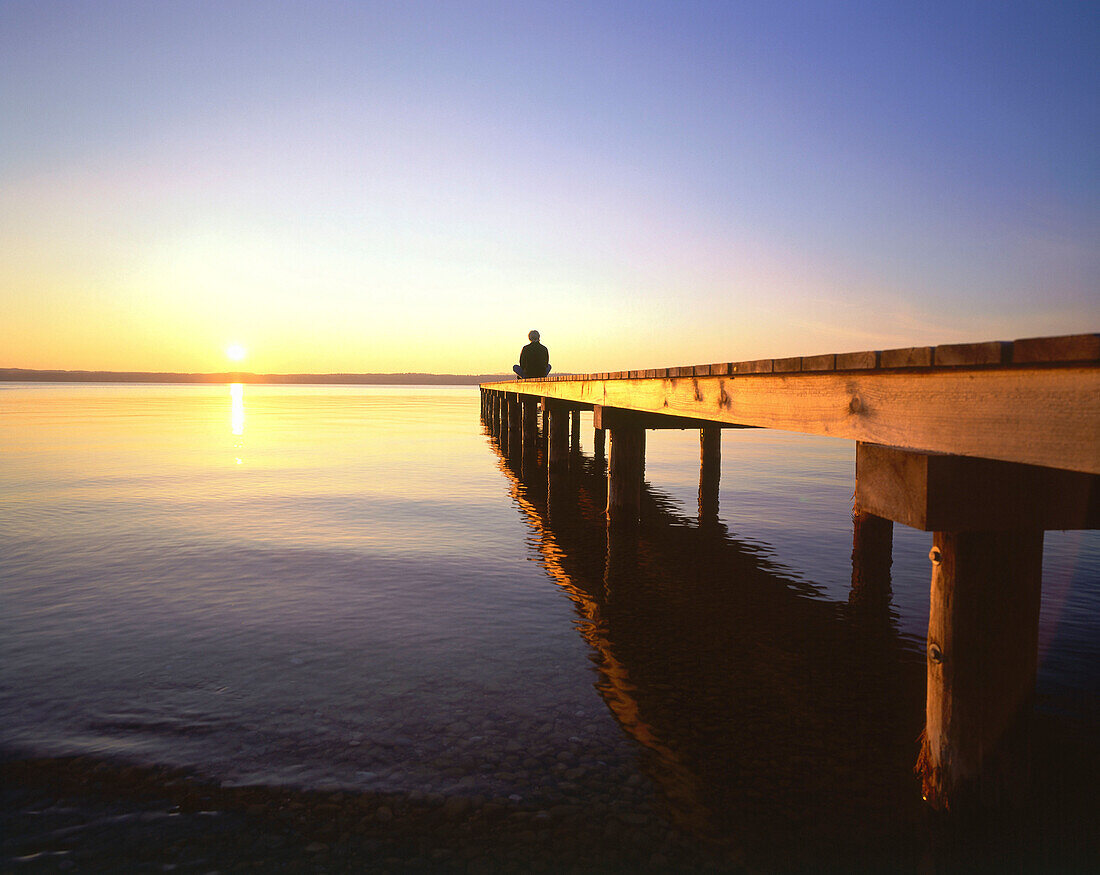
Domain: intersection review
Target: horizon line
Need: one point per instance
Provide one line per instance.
(59, 375)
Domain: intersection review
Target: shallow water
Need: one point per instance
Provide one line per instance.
(354, 587)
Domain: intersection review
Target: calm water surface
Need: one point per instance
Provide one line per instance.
(353, 587)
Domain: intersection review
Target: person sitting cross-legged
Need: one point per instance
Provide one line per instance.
(534, 359)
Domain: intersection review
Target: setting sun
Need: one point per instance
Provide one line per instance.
(235, 351)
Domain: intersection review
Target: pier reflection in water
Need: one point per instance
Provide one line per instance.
(767, 715)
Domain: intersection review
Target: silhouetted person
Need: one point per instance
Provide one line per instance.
(534, 359)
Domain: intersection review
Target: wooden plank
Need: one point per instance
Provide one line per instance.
(760, 366)
(909, 357)
(956, 354)
(853, 361)
(1037, 415)
(957, 494)
(787, 366)
(1071, 348)
(700, 371)
(819, 362)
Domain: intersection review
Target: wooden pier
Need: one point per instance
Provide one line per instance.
(987, 445)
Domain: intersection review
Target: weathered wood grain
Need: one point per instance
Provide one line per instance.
(851, 361)
(909, 357)
(819, 362)
(1071, 348)
(760, 366)
(955, 354)
(983, 634)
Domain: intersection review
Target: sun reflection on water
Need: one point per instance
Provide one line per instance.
(236, 416)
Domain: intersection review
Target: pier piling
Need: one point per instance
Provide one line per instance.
(624, 475)
(872, 556)
(558, 450)
(530, 422)
(983, 635)
(710, 472)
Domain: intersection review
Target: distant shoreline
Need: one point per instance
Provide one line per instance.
(30, 375)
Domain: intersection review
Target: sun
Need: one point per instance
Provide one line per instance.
(236, 352)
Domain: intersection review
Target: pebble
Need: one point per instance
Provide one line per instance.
(456, 807)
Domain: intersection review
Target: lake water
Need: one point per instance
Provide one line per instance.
(353, 587)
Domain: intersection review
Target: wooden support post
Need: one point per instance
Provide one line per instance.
(982, 653)
(872, 555)
(504, 423)
(530, 422)
(624, 475)
(710, 472)
(515, 427)
(558, 450)
(599, 436)
(575, 431)
(545, 421)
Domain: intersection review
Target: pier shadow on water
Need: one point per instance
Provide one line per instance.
(771, 719)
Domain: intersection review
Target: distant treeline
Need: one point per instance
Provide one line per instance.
(26, 375)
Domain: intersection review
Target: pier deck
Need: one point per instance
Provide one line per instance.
(1034, 401)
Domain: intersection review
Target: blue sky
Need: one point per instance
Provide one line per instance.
(412, 186)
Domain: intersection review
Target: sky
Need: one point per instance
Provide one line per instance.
(412, 186)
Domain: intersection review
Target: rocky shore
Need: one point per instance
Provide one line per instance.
(80, 814)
